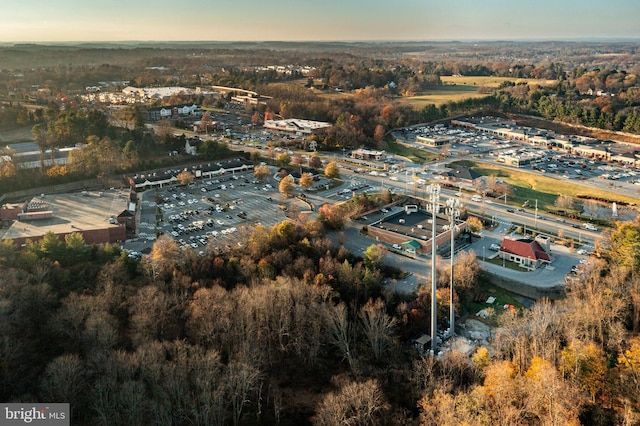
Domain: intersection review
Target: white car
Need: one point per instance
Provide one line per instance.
(397, 247)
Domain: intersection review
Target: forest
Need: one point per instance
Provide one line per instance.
(293, 329)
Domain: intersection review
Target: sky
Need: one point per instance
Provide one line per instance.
(317, 20)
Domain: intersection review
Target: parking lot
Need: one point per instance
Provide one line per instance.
(213, 214)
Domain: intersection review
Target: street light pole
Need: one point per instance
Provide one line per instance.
(536, 216)
(434, 192)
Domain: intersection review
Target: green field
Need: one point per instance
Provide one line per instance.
(416, 155)
(529, 186)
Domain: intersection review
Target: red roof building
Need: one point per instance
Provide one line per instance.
(528, 253)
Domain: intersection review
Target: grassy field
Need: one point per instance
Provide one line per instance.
(460, 88)
(529, 186)
(416, 155)
(454, 89)
(491, 81)
(443, 95)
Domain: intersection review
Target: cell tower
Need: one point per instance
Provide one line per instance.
(434, 196)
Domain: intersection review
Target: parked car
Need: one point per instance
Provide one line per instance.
(397, 247)
(494, 247)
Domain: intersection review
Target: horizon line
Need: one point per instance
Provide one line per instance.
(443, 40)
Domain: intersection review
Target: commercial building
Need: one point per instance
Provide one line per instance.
(367, 154)
(295, 125)
(101, 217)
(143, 182)
(528, 253)
(434, 140)
(518, 159)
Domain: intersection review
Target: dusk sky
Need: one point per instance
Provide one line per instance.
(301, 20)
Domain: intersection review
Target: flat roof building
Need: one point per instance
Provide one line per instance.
(435, 140)
(367, 154)
(296, 125)
(518, 159)
(93, 214)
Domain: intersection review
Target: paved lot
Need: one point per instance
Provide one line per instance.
(211, 214)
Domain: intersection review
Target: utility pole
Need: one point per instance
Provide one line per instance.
(434, 193)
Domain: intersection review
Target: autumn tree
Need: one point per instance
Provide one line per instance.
(549, 398)
(128, 117)
(625, 244)
(306, 180)
(585, 364)
(261, 172)
(8, 169)
(378, 134)
(164, 256)
(185, 177)
(283, 159)
(331, 216)
(373, 255)
(205, 123)
(332, 171)
(466, 270)
(474, 224)
(629, 366)
(286, 186)
(315, 162)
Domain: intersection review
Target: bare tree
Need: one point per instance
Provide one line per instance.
(565, 202)
(241, 380)
(151, 311)
(65, 379)
(341, 332)
(378, 327)
(591, 207)
(354, 404)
